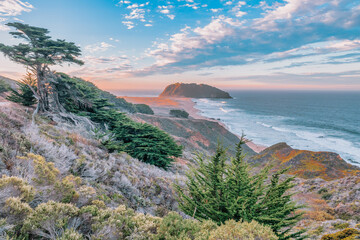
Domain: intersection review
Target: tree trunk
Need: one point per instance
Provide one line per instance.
(43, 101)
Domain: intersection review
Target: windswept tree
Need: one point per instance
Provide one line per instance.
(37, 53)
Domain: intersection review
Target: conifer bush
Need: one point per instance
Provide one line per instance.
(220, 191)
(26, 90)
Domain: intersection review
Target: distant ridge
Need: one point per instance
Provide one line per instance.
(193, 90)
(9, 81)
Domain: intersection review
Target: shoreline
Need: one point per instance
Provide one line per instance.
(161, 107)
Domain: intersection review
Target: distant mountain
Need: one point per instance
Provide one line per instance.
(305, 164)
(193, 90)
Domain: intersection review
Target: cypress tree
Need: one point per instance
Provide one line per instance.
(220, 191)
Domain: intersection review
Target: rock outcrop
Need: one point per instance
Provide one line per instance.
(305, 164)
(193, 90)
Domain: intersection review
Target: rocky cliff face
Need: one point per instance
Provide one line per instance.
(193, 90)
(306, 164)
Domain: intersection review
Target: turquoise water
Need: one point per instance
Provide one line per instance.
(317, 121)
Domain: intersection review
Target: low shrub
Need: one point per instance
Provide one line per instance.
(242, 230)
(50, 220)
(143, 108)
(346, 234)
(179, 113)
(341, 225)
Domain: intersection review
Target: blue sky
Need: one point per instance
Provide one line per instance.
(128, 44)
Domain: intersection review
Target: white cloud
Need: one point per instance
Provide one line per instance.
(148, 25)
(136, 13)
(128, 24)
(215, 10)
(14, 7)
(171, 16)
(237, 11)
(184, 45)
(344, 45)
(98, 47)
(165, 11)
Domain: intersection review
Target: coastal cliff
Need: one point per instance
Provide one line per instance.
(193, 90)
(305, 164)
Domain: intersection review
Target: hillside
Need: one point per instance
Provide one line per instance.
(8, 81)
(193, 90)
(305, 164)
(196, 135)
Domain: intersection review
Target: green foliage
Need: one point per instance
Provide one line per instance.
(346, 234)
(18, 186)
(179, 113)
(49, 220)
(326, 196)
(41, 49)
(143, 108)
(142, 141)
(71, 234)
(77, 95)
(4, 87)
(37, 54)
(220, 191)
(341, 225)
(242, 230)
(25, 92)
(173, 226)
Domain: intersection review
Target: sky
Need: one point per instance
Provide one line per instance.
(136, 44)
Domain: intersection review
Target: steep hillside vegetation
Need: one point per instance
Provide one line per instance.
(195, 134)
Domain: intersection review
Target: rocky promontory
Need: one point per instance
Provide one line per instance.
(193, 90)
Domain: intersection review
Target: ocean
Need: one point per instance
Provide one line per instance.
(316, 121)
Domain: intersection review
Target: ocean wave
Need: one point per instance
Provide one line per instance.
(268, 130)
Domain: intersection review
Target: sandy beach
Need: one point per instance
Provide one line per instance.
(161, 106)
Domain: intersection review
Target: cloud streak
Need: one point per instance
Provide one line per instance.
(284, 28)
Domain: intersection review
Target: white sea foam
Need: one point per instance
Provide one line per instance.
(269, 130)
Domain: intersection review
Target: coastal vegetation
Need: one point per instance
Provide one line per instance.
(24, 93)
(179, 113)
(219, 191)
(59, 93)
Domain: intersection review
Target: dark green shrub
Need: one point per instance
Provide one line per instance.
(322, 190)
(219, 191)
(326, 196)
(143, 108)
(179, 113)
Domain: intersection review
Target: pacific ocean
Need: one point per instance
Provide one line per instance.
(316, 121)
